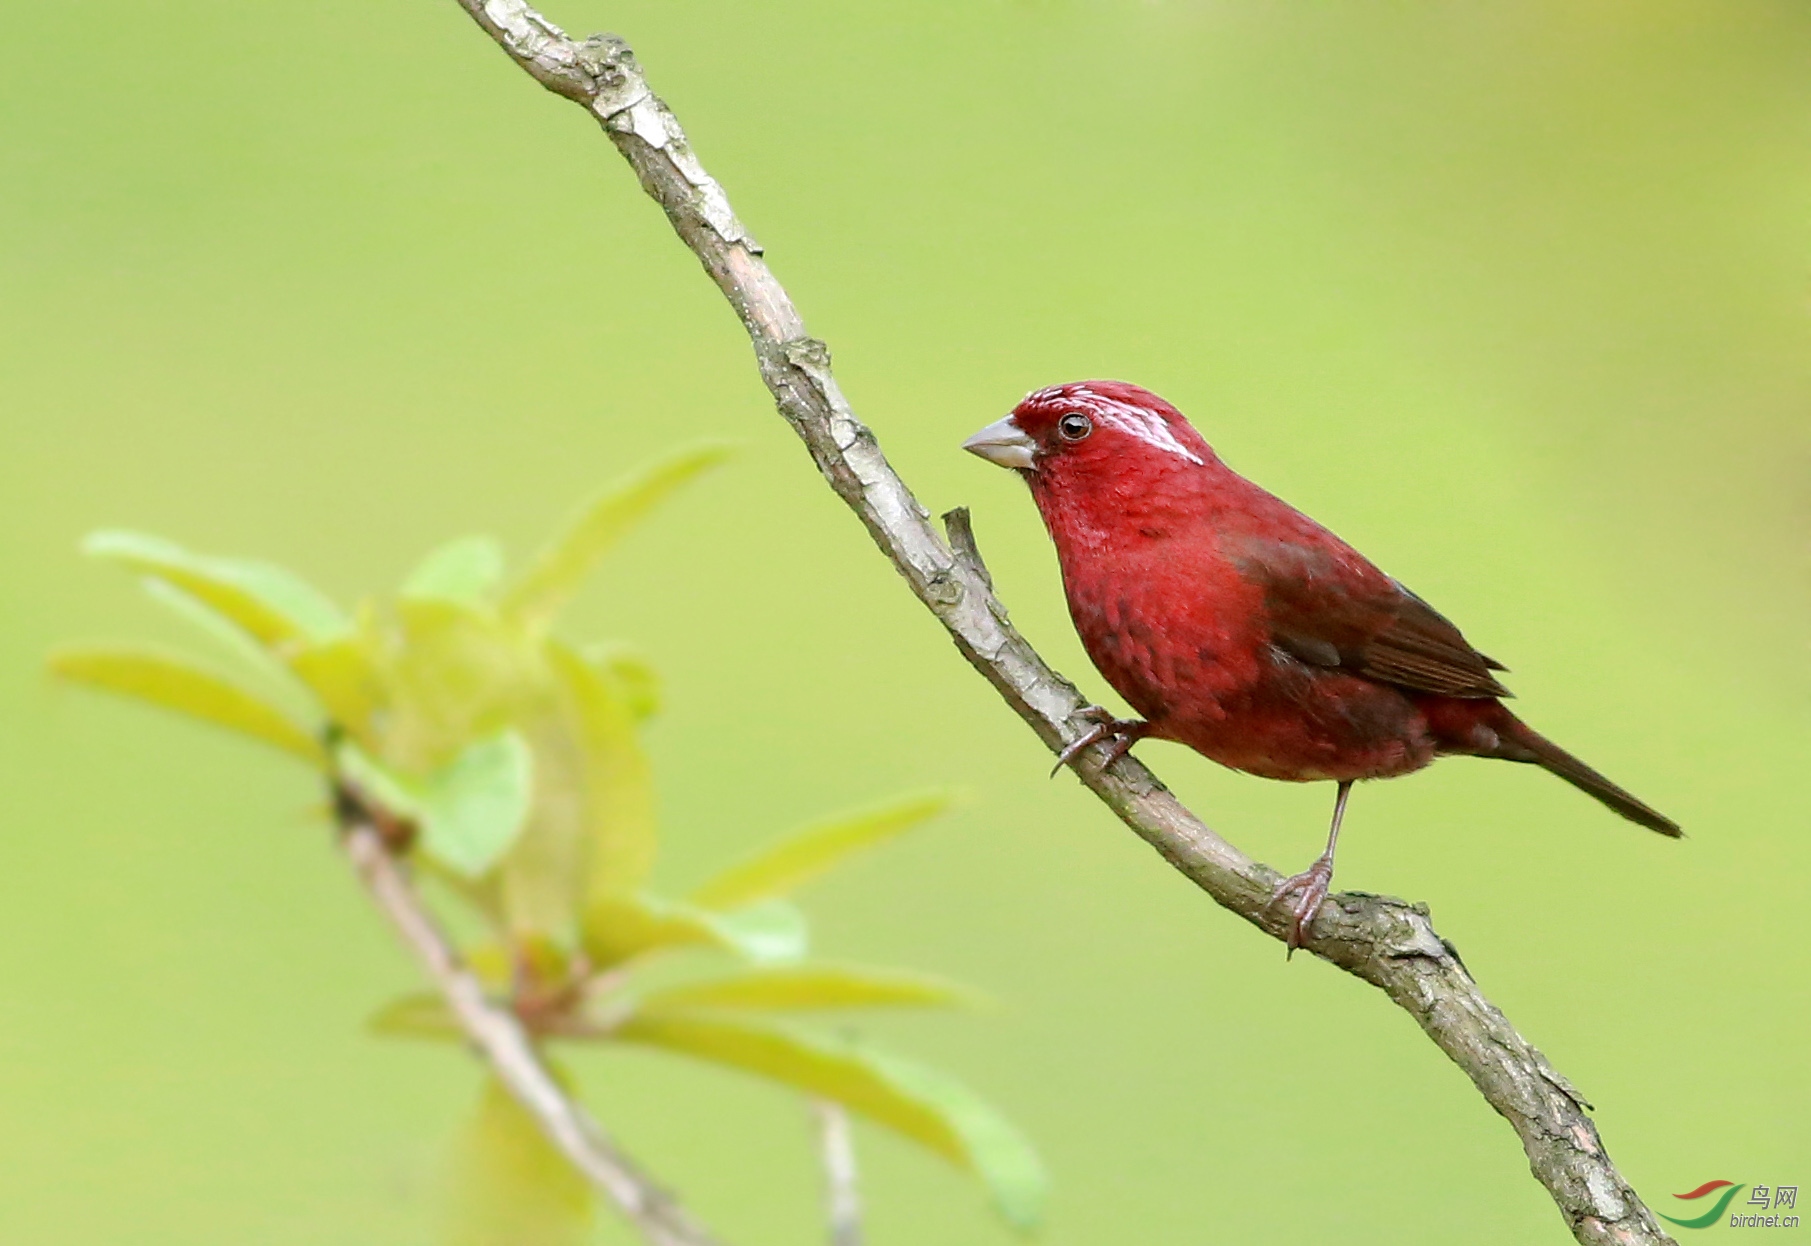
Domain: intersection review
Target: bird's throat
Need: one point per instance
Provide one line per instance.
(1125, 519)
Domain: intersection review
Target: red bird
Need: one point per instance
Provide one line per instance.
(1240, 627)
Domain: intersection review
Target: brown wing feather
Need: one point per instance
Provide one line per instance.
(1331, 608)
(1420, 648)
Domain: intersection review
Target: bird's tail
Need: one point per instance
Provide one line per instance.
(1520, 742)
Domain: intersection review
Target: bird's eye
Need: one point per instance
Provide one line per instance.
(1074, 426)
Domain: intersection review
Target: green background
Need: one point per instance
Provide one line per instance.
(1514, 297)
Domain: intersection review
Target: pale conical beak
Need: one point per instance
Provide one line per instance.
(1004, 443)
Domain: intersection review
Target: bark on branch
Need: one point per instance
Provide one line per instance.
(499, 1039)
(1387, 942)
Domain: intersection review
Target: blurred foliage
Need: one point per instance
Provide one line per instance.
(509, 1186)
(513, 762)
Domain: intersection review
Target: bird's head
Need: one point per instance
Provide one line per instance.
(1107, 461)
(1068, 437)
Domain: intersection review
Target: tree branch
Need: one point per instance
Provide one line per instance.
(1386, 942)
(499, 1039)
(836, 1150)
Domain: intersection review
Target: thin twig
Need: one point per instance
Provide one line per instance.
(1384, 941)
(498, 1037)
(962, 544)
(836, 1149)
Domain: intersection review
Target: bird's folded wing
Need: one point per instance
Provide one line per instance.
(1330, 607)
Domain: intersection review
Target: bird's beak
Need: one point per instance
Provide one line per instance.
(1004, 443)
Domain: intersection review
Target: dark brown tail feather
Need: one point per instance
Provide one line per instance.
(1523, 743)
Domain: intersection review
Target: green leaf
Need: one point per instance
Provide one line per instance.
(928, 1107)
(509, 1186)
(419, 1015)
(556, 572)
(772, 932)
(617, 929)
(474, 807)
(812, 986)
(802, 856)
(463, 570)
(468, 812)
(177, 684)
(274, 606)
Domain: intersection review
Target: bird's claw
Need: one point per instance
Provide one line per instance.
(1092, 735)
(1310, 888)
(1124, 732)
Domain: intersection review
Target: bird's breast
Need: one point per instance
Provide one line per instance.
(1171, 633)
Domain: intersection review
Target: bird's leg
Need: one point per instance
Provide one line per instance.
(1124, 732)
(1310, 886)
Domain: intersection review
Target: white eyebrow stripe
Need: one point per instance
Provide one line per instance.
(1151, 429)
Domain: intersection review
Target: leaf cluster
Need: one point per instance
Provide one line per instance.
(511, 761)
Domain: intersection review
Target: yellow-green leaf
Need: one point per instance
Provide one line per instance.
(556, 572)
(176, 683)
(231, 638)
(509, 1186)
(344, 678)
(802, 856)
(811, 986)
(930, 1108)
(617, 929)
(451, 672)
(274, 606)
(634, 676)
(419, 1015)
(271, 678)
(462, 570)
(618, 783)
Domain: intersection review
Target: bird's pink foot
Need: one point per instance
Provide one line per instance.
(1309, 890)
(1123, 732)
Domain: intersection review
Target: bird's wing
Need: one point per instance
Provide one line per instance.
(1329, 607)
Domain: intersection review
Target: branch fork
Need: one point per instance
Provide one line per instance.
(502, 1039)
